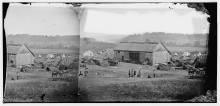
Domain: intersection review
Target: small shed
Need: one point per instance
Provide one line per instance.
(150, 53)
(18, 55)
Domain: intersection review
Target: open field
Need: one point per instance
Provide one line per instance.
(31, 86)
(47, 51)
(113, 84)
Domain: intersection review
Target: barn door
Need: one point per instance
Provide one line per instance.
(122, 58)
(134, 57)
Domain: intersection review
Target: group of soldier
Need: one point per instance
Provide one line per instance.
(131, 73)
(85, 72)
(134, 73)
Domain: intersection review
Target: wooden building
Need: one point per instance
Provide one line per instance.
(18, 55)
(150, 53)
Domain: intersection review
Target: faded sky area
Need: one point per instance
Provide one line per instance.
(114, 21)
(41, 19)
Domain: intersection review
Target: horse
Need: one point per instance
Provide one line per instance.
(191, 72)
(55, 73)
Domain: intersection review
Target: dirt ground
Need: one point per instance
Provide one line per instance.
(112, 84)
(103, 84)
(35, 85)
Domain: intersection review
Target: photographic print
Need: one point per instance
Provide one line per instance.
(110, 52)
(144, 52)
(42, 41)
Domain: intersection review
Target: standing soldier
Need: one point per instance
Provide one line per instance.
(85, 73)
(129, 73)
(134, 73)
(80, 73)
(18, 75)
(154, 72)
(139, 73)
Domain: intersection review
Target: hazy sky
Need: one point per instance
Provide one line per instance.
(104, 21)
(113, 21)
(41, 19)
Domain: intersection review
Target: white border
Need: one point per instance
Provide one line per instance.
(107, 104)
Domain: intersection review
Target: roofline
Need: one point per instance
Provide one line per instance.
(133, 51)
(12, 53)
(29, 50)
(165, 48)
(138, 43)
(142, 42)
(12, 44)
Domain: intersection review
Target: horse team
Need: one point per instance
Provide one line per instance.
(55, 72)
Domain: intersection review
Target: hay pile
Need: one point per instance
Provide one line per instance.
(211, 97)
(102, 58)
(105, 54)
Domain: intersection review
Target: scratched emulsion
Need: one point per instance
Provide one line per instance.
(42, 43)
(146, 52)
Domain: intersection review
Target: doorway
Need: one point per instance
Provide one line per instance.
(134, 57)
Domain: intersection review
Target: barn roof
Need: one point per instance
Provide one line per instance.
(29, 50)
(14, 48)
(137, 46)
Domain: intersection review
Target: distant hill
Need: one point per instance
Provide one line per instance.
(45, 42)
(170, 39)
(93, 45)
(74, 42)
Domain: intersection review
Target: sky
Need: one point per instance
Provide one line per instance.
(105, 22)
(41, 19)
(113, 21)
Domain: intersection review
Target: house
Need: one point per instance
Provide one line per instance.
(150, 53)
(18, 55)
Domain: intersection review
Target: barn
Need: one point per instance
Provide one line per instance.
(150, 53)
(18, 55)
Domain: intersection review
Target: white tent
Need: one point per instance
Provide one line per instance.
(199, 54)
(88, 53)
(186, 54)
